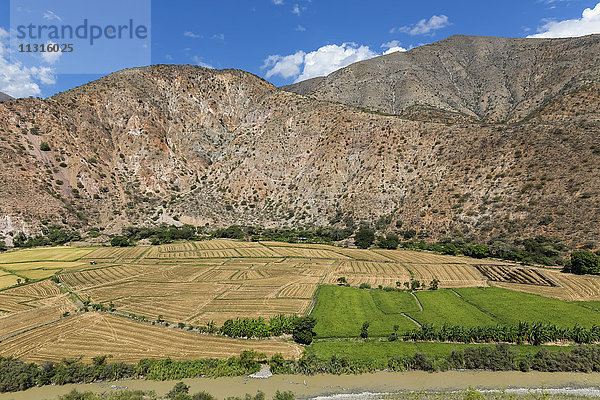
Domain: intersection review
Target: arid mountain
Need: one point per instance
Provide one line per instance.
(183, 144)
(4, 97)
(491, 79)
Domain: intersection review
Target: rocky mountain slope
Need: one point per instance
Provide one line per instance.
(183, 144)
(4, 97)
(490, 79)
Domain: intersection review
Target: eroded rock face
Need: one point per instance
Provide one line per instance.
(491, 79)
(183, 144)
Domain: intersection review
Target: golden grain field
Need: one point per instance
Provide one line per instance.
(199, 282)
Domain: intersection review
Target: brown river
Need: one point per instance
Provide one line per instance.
(326, 385)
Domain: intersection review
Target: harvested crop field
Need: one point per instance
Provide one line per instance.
(96, 334)
(211, 281)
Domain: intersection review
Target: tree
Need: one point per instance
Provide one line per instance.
(303, 330)
(434, 284)
(179, 388)
(364, 238)
(585, 262)
(120, 241)
(3, 246)
(390, 242)
(342, 280)
(364, 331)
(415, 285)
(44, 146)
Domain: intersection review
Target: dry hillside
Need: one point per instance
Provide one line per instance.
(191, 145)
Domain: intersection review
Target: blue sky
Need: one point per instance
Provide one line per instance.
(289, 40)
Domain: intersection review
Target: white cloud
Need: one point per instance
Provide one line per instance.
(219, 36)
(17, 80)
(300, 28)
(424, 26)
(285, 66)
(320, 62)
(392, 47)
(278, 2)
(588, 24)
(49, 15)
(201, 63)
(298, 10)
(51, 57)
(192, 35)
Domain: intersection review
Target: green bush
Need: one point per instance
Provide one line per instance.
(585, 262)
(44, 146)
(364, 238)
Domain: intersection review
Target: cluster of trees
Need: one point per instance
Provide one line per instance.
(525, 332)
(17, 375)
(538, 250)
(583, 262)
(52, 235)
(259, 327)
(158, 235)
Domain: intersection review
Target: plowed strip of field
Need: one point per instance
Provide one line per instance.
(308, 253)
(8, 280)
(573, 287)
(251, 308)
(245, 292)
(174, 308)
(359, 254)
(101, 276)
(45, 254)
(93, 334)
(298, 291)
(14, 303)
(32, 318)
(223, 244)
(150, 289)
(218, 253)
(449, 275)
(256, 252)
(116, 252)
(418, 257)
(41, 289)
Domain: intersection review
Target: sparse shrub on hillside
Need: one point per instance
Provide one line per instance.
(44, 146)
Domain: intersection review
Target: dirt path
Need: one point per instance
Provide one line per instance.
(417, 300)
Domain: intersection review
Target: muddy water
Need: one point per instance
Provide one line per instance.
(321, 385)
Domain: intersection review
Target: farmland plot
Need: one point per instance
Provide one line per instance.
(94, 334)
(45, 254)
(116, 253)
(449, 275)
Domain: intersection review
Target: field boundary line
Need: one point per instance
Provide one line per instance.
(412, 319)
(477, 306)
(418, 301)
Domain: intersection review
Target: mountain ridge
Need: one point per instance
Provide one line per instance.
(185, 144)
(491, 79)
